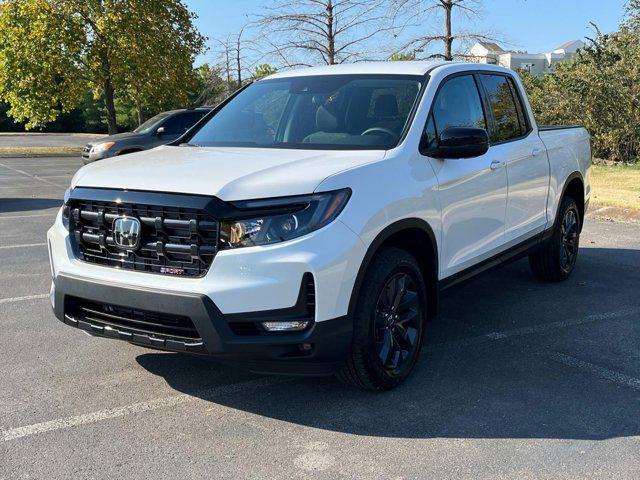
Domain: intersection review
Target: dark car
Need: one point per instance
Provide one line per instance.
(162, 129)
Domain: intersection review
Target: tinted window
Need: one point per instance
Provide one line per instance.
(429, 136)
(507, 122)
(173, 125)
(329, 111)
(189, 119)
(457, 104)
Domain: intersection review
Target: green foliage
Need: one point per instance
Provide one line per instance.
(401, 56)
(263, 70)
(53, 51)
(600, 89)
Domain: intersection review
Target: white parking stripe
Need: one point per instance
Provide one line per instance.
(530, 330)
(22, 299)
(600, 372)
(172, 401)
(25, 245)
(31, 176)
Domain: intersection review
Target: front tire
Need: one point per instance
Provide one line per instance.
(389, 322)
(556, 259)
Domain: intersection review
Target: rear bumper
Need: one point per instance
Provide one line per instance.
(319, 350)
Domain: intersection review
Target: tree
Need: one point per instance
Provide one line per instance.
(307, 32)
(212, 88)
(422, 12)
(599, 89)
(263, 70)
(53, 50)
(235, 53)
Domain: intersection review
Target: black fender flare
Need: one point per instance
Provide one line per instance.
(385, 234)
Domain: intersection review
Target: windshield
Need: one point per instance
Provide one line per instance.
(321, 112)
(147, 126)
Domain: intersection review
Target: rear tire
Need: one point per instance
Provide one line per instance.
(556, 259)
(389, 322)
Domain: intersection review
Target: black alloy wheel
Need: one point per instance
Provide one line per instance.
(397, 323)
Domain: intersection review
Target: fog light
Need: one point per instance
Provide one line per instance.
(295, 326)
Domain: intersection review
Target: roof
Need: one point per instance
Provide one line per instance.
(418, 67)
(492, 46)
(568, 44)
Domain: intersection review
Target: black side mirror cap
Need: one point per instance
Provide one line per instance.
(160, 131)
(459, 142)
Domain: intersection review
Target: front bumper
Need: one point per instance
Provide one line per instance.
(262, 281)
(319, 350)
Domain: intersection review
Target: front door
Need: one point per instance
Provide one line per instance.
(472, 191)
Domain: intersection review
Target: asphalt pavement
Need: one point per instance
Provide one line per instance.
(518, 379)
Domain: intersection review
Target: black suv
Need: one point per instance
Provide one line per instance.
(162, 129)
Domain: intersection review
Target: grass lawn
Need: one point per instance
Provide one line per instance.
(616, 186)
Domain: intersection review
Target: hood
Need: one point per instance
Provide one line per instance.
(115, 138)
(227, 173)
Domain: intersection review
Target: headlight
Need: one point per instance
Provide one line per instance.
(102, 147)
(65, 208)
(283, 218)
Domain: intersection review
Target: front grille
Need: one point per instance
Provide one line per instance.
(173, 241)
(131, 320)
(86, 151)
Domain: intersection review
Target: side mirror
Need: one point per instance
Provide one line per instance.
(160, 131)
(460, 142)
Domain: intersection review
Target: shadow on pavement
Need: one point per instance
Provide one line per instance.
(490, 389)
(28, 204)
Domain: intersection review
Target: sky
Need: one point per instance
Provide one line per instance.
(533, 25)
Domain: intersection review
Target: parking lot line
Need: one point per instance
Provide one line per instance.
(600, 372)
(31, 176)
(22, 299)
(24, 245)
(158, 403)
(530, 330)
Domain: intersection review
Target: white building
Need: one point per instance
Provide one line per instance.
(536, 63)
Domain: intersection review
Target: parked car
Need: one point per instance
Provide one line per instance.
(309, 225)
(159, 130)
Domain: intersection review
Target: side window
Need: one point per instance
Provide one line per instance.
(173, 125)
(429, 136)
(457, 104)
(189, 120)
(505, 113)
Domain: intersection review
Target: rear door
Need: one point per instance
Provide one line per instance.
(524, 154)
(472, 191)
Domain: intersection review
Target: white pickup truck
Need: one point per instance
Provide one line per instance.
(308, 223)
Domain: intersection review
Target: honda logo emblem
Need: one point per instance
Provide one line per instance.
(126, 233)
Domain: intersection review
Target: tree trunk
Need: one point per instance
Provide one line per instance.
(110, 106)
(238, 63)
(448, 36)
(331, 51)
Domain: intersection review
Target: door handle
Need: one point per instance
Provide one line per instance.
(536, 152)
(496, 164)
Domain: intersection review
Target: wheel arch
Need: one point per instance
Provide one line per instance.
(415, 236)
(574, 188)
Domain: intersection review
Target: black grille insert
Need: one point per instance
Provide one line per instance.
(174, 240)
(132, 320)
